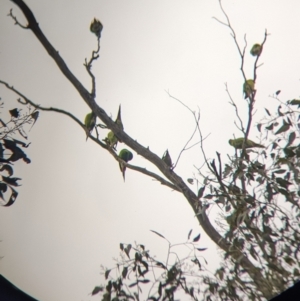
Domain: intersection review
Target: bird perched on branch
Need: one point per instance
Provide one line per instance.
(256, 50)
(111, 138)
(248, 87)
(239, 142)
(96, 28)
(126, 156)
(167, 158)
(89, 122)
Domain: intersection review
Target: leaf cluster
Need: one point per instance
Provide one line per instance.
(137, 270)
(11, 151)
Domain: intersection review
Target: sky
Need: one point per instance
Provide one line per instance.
(73, 207)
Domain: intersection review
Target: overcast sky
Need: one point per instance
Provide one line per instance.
(74, 209)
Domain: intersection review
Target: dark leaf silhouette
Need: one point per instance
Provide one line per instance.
(201, 249)
(291, 139)
(14, 113)
(279, 111)
(157, 233)
(189, 235)
(12, 197)
(96, 290)
(270, 127)
(34, 116)
(200, 192)
(127, 250)
(124, 272)
(22, 133)
(7, 168)
(285, 126)
(11, 181)
(267, 112)
(3, 123)
(196, 238)
(295, 102)
(259, 127)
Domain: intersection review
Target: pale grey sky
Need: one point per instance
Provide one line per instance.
(73, 209)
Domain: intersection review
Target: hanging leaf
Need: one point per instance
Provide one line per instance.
(278, 92)
(190, 180)
(267, 112)
(23, 144)
(196, 238)
(157, 233)
(11, 181)
(289, 260)
(12, 198)
(283, 183)
(259, 126)
(124, 272)
(144, 281)
(14, 113)
(96, 290)
(34, 116)
(106, 274)
(280, 171)
(291, 139)
(3, 123)
(274, 146)
(189, 235)
(220, 200)
(160, 265)
(270, 127)
(159, 289)
(285, 126)
(22, 133)
(127, 250)
(7, 168)
(279, 112)
(289, 152)
(200, 192)
(294, 102)
(133, 284)
(17, 155)
(201, 249)
(227, 208)
(3, 189)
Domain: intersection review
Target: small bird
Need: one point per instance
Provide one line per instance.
(111, 139)
(96, 28)
(89, 122)
(126, 156)
(248, 87)
(167, 158)
(238, 143)
(256, 50)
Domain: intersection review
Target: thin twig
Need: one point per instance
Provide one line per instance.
(88, 65)
(16, 20)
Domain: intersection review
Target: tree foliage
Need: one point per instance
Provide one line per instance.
(137, 271)
(11, 149)
(254, 190)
